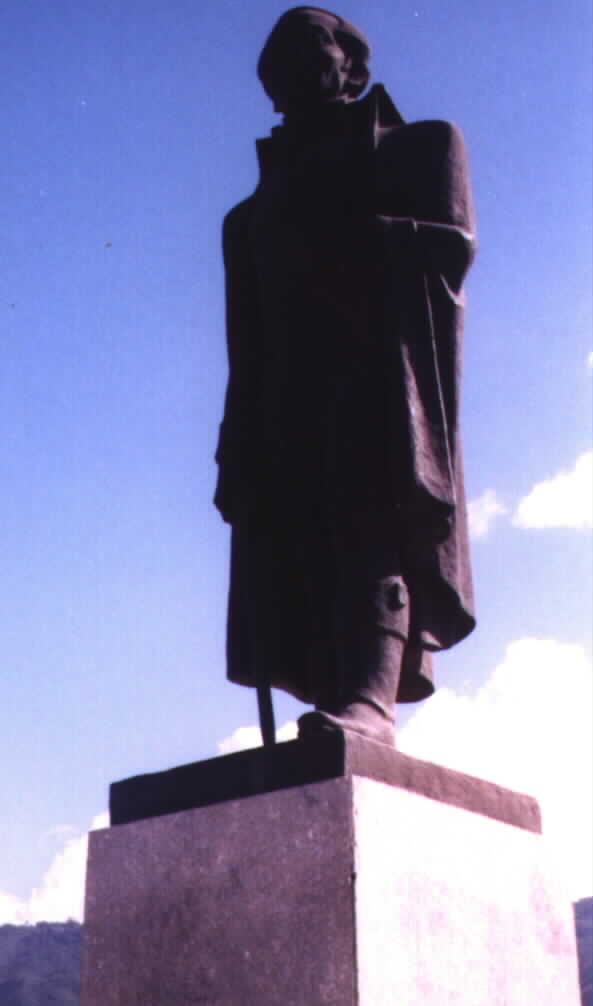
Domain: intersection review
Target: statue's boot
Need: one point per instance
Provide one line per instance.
(366, 697)
(371, 624)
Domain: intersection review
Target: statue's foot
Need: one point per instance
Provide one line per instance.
(368, 720)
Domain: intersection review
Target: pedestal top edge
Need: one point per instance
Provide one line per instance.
(298, 763)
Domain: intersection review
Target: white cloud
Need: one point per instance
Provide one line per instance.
(240, 740)
(60, 895)
(482, 512)
(565, 500)
(590, 361)
(13, 911)
(528, 728)
(250, 737)
(56, 836)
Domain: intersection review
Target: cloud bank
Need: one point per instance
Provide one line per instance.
(250, 737)
(565, 500)
(60, 895)
(528, 728)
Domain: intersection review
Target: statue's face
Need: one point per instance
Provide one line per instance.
(311, 66)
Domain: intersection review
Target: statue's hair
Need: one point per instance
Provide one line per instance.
(354, 42)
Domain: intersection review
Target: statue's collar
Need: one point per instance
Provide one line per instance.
(369, 117)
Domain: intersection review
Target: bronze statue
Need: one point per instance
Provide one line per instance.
(339, 452)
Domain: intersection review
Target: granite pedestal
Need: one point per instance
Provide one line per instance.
(367, 879)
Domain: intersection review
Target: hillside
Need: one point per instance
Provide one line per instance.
(583, 917)
(40, 965)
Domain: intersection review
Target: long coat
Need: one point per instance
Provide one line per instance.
(344, 317)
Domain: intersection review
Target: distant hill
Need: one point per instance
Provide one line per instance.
(40, 965)
(583, 919)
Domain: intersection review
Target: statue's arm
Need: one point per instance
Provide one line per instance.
(424, 197)
(439, 248)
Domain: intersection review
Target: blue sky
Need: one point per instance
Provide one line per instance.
(130, 132)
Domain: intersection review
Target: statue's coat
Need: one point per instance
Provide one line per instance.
(344, 316)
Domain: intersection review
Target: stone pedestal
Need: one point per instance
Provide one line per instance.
(398, 884)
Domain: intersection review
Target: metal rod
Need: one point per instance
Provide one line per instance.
(266, 714)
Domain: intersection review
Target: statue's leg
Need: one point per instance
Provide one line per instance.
(371, 621)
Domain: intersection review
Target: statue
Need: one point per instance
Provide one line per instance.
(339, 453)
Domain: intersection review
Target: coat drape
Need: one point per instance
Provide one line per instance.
(344, 279)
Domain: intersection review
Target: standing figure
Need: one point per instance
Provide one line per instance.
(339, 453)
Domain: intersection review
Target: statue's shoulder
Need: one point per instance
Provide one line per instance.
(423, 155)
(427, 137)
(422, 172)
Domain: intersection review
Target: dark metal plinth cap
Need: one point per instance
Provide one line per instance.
(300, 763)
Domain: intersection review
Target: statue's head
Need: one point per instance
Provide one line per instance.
(312, 58)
